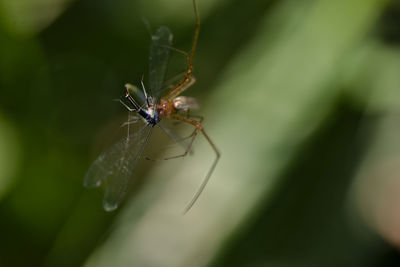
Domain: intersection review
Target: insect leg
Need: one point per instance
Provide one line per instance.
(188, 147)
(199, 127)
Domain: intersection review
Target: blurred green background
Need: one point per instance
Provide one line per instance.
(301, 97)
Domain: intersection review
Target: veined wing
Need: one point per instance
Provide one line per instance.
(115, 167)
(158, 59)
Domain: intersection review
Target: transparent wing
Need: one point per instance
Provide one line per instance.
(182, 141)
(169, 83)
(158, 59)
(115, 167)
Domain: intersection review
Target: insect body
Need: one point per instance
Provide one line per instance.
(115, 167)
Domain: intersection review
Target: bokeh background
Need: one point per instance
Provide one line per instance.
(301, 97)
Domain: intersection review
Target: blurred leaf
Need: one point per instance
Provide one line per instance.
(9, 156)
(372, 76)
(271, 97)
(27, 17)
